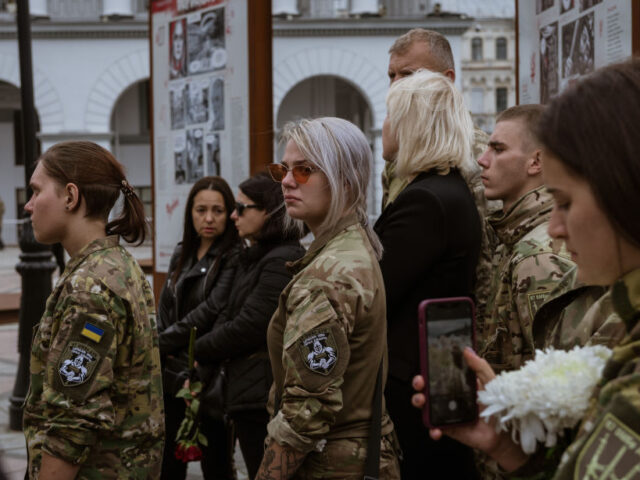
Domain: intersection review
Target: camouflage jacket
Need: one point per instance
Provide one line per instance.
(577, 315)
(95, 397)
(525, 270)
(574, 315)
(608, 440)
(327, 340)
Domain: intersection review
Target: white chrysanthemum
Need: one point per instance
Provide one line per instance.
(547, 395)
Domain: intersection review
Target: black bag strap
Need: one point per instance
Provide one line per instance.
(372, 463)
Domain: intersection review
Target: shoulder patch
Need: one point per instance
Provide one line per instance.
(319, 350)
(612, 451)
(536, 299)
(77, 364)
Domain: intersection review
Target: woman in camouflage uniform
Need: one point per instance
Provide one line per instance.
(94, 407)
(591, 135)
(327, 340)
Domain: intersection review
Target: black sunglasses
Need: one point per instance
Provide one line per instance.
(241, 206)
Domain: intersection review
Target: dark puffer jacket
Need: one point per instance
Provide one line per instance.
(239, 338)
(196, 299)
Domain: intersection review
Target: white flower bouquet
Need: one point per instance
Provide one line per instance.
(545, 396)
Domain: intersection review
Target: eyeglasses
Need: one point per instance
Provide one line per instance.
(301, 173)
(241, 206)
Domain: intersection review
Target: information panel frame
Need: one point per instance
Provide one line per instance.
(210, 102)
(558, 41)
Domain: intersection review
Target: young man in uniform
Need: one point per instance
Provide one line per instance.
(526, 267)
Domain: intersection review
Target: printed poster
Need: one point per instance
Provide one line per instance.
(200, 105)
(559, 41)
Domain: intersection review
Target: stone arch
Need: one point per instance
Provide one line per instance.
(47, 101)
(111, 83)
(342, 63)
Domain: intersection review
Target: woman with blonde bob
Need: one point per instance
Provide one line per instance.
(431, 236)
(327, 338)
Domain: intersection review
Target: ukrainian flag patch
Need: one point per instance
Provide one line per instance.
(92, 332)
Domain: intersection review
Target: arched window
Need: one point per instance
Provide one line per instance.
(476, 48)
(501, 48)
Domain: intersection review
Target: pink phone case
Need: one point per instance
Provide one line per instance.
(424, 358)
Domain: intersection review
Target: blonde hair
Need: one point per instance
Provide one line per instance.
(433, 127)
(342, 152)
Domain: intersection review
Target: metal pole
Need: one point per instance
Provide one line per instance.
(35, 265)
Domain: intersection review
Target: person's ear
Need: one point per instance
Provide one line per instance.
(535, 163)
(450, 73)
(72, 196)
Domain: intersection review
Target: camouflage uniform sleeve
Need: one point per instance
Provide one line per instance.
(533, 279)
(79, 373)
(315, 356)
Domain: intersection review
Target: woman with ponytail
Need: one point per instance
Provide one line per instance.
(94, 407)
(327, 339)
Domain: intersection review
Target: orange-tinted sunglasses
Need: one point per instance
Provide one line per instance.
(301, 173)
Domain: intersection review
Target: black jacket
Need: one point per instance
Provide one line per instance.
(431, 237)
(197, 299)
(239, 337)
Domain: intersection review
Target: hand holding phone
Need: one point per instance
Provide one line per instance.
(446, 327)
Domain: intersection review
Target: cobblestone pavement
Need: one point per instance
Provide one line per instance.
(13, 455)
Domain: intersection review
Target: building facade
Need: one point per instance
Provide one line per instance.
(91, 73)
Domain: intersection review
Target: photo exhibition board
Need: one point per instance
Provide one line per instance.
(561, 40)
(200, 87)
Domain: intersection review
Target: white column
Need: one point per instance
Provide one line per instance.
(378, 167)
(284, 7)
(38, 8)
(121, 8)
(359, 7)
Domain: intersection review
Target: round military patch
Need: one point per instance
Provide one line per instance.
(319, 351)
(77, 363)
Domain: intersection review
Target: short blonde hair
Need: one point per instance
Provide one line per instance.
(433, 127)
(342, 152)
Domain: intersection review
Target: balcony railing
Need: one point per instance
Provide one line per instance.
(79, 10)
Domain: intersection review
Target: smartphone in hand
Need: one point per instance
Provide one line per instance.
(446, 327)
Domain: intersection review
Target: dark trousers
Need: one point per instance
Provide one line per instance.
(217, 457)
(251, 430)
(422, 456)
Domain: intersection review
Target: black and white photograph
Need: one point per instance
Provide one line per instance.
(542, 5)
(577, 46)
(217, 103)
(198, 102)
(451, 381)
(549, 81)
(206, 42)
(212, 145)
(586, 4)
(195, 163)
(177, 102)
(566, 5)
(180, 158)
(177, 48)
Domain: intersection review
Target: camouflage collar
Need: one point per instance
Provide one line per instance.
(318, 244)
(625, 295)
(527, 213)
(98, 244)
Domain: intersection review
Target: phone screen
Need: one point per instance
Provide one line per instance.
(451, 383)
